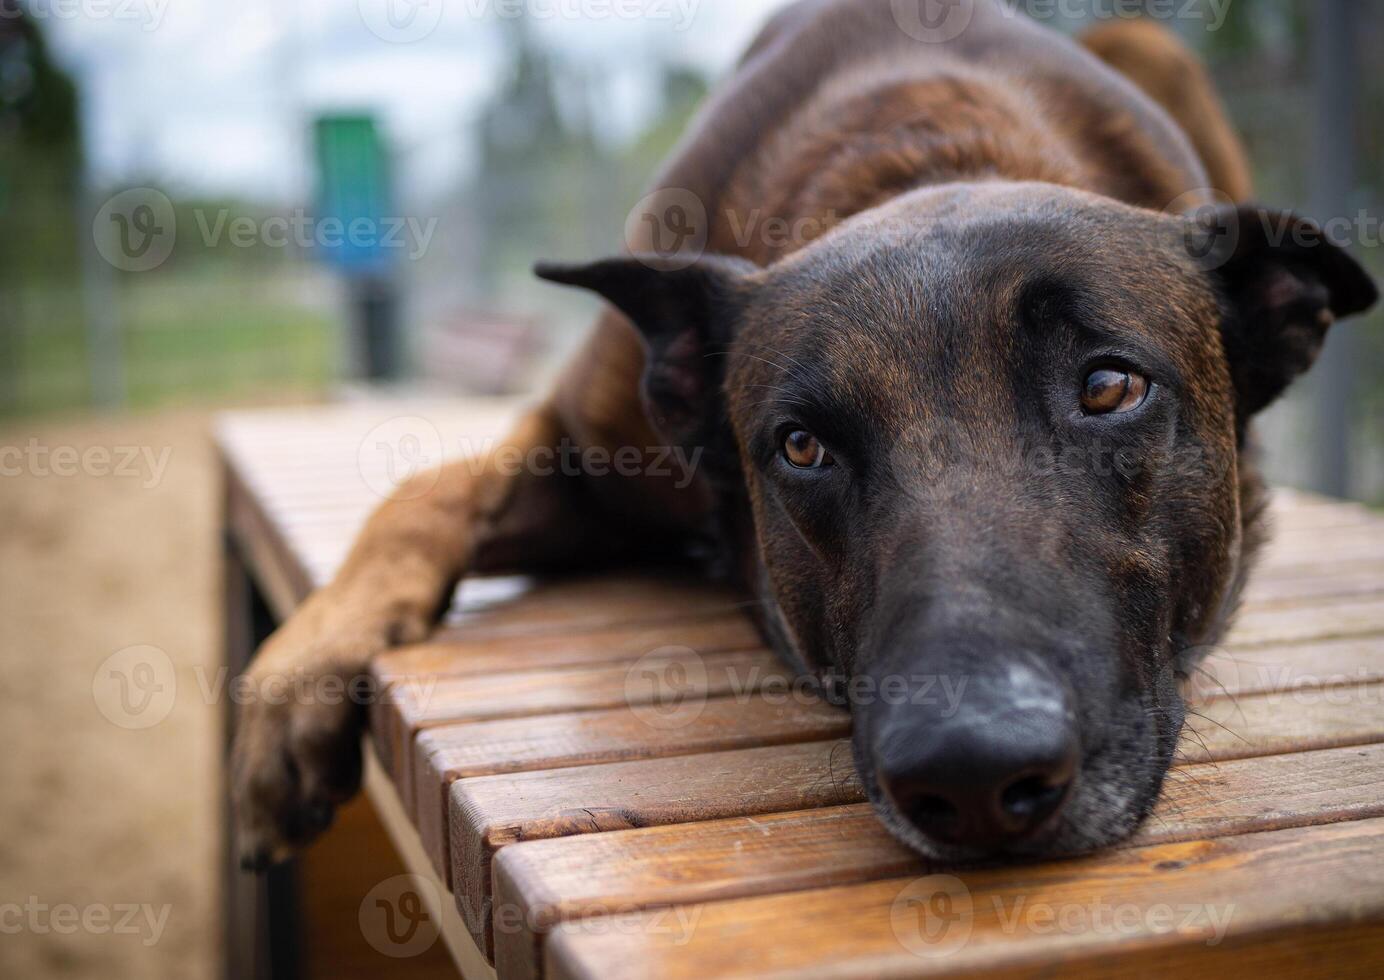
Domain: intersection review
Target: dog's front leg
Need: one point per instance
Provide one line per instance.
(297, 751)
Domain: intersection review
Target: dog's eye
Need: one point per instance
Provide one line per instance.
(1111, 391)
(802, 450)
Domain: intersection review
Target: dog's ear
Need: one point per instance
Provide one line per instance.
(1284, 283)
(687, 315)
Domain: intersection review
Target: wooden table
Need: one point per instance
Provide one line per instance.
(602, 779)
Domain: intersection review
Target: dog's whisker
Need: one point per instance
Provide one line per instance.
(1225, 691)
(1219, 724)
(742, 353)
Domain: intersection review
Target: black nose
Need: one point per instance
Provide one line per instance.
(990, 775)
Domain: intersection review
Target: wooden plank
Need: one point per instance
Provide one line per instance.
(486, 816)
(1321, 565)
(1361, 543)
(1229, 728)
(1257, 670)
(1220, 728)
(542, 883)
(593, 603)
(1101, 912)
(489, 813)
(1298, 510)
(466, 679)
(1300, 522)
(1365, 579)
(473, 651)
(680, 671)
(1321, 621)
(398, 718)
(1283, 721)
(453, 752)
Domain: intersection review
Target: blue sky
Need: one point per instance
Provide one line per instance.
(214, 96)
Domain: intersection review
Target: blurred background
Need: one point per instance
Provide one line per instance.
(177, 179)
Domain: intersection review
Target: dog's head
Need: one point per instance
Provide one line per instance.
(989, 439)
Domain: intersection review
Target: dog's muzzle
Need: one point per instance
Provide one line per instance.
(989, 771)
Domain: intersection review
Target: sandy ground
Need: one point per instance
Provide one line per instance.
(109, 797)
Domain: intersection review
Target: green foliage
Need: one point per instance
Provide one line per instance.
(40, 151)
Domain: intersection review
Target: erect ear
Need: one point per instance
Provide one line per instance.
(687, 314)
(1285, 283)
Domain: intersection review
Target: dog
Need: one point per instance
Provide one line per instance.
(986, 418)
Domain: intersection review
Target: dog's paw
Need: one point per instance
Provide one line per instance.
(293, 762)
(302, 708)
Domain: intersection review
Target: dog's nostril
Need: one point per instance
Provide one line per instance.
(934, 814)
(1031, 800)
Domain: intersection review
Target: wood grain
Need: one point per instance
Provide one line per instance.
(1256, 670)
(1327, 619)
(1363, 579)
(421, 703)
(1247, 728)
(453, 752)
(468, 651)
(467, 679)
(1363, 542)
(1105, 910)
(489, 813)
(542, 882)
(1288, 721)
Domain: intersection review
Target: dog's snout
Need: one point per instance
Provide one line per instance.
(991, 774)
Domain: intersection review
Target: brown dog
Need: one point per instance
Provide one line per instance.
(988, 428)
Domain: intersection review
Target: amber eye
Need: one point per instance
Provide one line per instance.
(802, 450)
(1110, 391)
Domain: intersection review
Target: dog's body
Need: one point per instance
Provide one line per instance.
(1006, 165)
